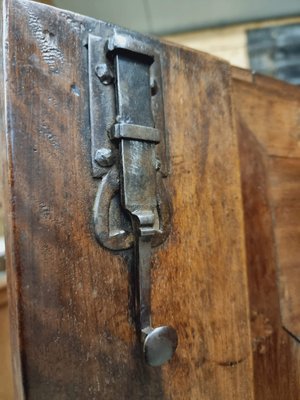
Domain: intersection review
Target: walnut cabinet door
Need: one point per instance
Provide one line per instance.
(142, 182)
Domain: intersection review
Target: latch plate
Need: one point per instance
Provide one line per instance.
(108, 128)
(132, 208)
(103, 102)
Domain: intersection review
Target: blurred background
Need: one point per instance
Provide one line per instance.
(162, 17)
(260, 34)
(263, 35)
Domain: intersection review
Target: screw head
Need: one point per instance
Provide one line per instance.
(104, 73)
(104, 157)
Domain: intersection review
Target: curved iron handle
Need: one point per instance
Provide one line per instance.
(108, 188)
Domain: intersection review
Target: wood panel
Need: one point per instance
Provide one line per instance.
(69, 297)
(204, 194)
(284, 178)
(267, 113)
(279, 134)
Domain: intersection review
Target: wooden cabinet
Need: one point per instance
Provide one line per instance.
(232, 177)
(267, 115)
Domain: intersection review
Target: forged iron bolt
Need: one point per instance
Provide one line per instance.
(104, 73)
(135, 169)
(104, 157)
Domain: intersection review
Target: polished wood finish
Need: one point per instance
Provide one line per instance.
(267, 114)
(70, 310)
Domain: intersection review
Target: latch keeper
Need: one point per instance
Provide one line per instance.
(135, 132)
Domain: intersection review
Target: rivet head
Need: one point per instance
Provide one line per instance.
(104, 157)
(104, 73)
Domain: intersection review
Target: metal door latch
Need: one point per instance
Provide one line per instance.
(132, 209)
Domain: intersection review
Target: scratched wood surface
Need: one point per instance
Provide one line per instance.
(268, 115)
(73, 337)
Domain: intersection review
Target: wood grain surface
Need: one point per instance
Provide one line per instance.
(268, 115)
(284, 175)
(73, 336)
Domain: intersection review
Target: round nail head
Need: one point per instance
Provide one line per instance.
(104, 73)
(160, 345)
(104, 157)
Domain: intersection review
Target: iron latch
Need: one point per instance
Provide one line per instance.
(132, 209)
